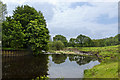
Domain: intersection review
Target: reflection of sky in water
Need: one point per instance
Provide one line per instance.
(68, 69)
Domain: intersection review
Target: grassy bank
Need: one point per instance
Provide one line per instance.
(109, 62)
(107, 55)
(104, 70)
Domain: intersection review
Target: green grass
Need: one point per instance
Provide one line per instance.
(108, 68)
(104, 70)
(109, 65)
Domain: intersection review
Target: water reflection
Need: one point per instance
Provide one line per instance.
(24, 66)
(81, 59)
(53, 65)
(59, 58)
(69, 66)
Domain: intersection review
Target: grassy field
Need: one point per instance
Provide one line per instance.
(109, 62)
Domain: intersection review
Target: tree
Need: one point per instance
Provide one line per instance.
(83, 40)
(61, 38)
(72, 42)
(56, 45)
(32, 26)
(12, 33)
(107, 41)
(37, 38)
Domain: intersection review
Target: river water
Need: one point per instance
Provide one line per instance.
(52, 65)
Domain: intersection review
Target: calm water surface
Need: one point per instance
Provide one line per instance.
(52, 65)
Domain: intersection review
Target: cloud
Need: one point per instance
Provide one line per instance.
(94, 18)
(84, 20)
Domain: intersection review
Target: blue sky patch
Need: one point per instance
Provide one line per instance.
(104, 19)
(75, 4)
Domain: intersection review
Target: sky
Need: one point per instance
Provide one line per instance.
(96, 18)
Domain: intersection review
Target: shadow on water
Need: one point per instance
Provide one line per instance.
(30, 67)
(81, 60)
(60, 58)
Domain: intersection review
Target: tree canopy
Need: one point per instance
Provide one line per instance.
(26, 28)
(80, 41)
(61, 38)
(83, 40)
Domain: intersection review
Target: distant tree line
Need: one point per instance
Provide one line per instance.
(111, 41)
(60, 41)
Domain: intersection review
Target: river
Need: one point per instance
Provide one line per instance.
(52, 65)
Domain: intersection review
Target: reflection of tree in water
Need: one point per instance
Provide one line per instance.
(59, 58)
(80, 59)
(24, 66)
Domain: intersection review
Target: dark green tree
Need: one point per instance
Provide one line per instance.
(33, 33)
(72, 42)
(83, 40)
(12, 35)
(61, 38)
(37, 37)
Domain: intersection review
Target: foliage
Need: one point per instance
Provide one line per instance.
(37, 38)
(12, 33)
(61, 38)
(110, 71)
(85, 41)
(80, 41)
(107, 41)
(109, 62)
(26, 29)
(42, 78)
(72, 42)
(56, 45)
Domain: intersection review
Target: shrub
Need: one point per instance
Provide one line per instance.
(56, 45)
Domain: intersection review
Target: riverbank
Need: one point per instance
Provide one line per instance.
(72, 50)
(103, 70)
(109, 62)
(107, 56)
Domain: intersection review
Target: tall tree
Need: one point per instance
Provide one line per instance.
(32, 26)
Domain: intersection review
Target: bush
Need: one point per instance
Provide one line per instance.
(56, 45)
